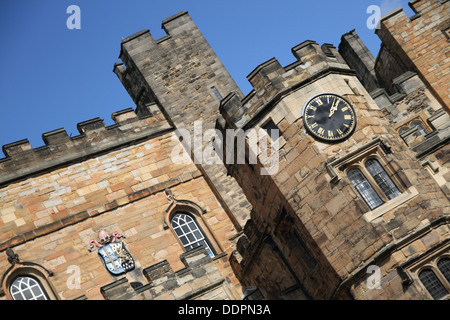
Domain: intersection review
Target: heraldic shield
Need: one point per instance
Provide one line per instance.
(115, 255)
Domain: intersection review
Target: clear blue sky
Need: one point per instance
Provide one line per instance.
(53, 77)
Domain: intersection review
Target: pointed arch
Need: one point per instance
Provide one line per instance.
(182, 205)
(186, 220)
(28, 282)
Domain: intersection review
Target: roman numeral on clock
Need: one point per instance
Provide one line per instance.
(321, 131)
(333, 117)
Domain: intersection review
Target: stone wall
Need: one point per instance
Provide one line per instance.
(334, 224)
(401, 262)
(402, 70)
(200, 279)
(181, 70)
(22, 161)
(359, 58)
(421, 43)
(302, 232)
(50, 218)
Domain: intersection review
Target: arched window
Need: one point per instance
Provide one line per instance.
(444, 267)
(189, 233)
(382, 179)
(432, 284)
(419, 127)
(364, 188)
(414, 124)
(27, 288)
(402, 130)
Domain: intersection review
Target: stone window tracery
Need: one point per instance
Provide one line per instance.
(373, 183)
(188, 232)
(27, 288)
(370, 174)
(435, 277)
(429, 272)
(418, 122)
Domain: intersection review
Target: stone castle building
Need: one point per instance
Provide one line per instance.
(357, 206)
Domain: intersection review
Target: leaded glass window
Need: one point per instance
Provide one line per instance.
(382, 179)
(189, 233)
(364, 188)
(444, 268)
(432, 284)
(27, 288)
(402, 130)
(419, 127)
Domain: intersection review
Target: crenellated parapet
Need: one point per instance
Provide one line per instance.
(420, 43)
(183, 75)
(200, 279)
(22, 160)
(140, 54)
(271, 81)
(180, 71)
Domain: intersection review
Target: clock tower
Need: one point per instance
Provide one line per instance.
(348, 194)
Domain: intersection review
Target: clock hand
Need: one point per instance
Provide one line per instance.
(333, 108)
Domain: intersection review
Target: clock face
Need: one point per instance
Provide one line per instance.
(329, 117)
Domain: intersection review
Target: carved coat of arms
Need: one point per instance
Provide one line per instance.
(115, 255)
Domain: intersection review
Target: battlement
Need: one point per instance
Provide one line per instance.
(270, 80)
(429, 14)
(182, 73)
(423, 6)
(419, 42)
(170, 25)
(179, 64)
(200, 279)
(419, 7)
(360, 59)
(141, 51)
(21, 160)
